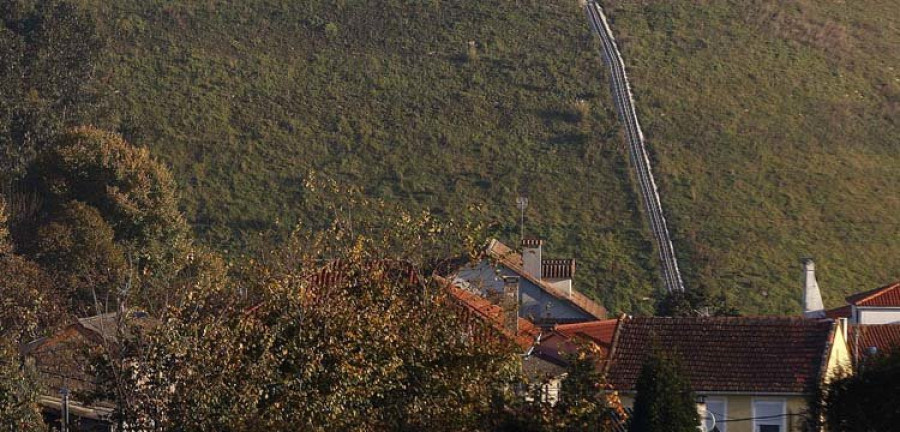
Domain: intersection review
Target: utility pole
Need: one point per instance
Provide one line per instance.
(64, 418)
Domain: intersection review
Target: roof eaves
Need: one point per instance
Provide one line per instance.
(826, 355)
(615, 342)
(523, 338)
(867, 296)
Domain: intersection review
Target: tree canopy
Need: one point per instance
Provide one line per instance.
(694, 302)
(19, 410)
(5, 242)
(322, 333)
(664, 401)
(866, 401)
(48, 51)
(77, 246)
(101, 210)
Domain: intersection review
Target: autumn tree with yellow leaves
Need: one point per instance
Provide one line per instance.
(336, 329)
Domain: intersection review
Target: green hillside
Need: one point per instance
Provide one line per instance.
(775, 127)
(434, 105)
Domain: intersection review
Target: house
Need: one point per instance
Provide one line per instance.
(878, 306)
(63, 361)
(755, 374)
(545, 286)
(486, 320)
(566, 339)
(867, 340)
(873, 316)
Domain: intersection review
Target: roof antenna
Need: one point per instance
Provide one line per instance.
(522, 204)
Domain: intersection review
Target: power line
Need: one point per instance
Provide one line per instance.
(771, 417)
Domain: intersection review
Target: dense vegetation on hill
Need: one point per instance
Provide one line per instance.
(433, 105)
(775, 128)
(771, 125)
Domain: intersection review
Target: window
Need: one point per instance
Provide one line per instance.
(716, 410)
(769, 415)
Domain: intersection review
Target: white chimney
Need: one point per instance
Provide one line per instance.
(531, 257)
(812, 297)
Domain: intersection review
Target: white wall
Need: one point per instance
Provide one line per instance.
(878, 315)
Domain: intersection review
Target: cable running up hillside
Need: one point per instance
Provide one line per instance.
(625, 103)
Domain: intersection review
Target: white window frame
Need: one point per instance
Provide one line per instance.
(723, 427)
(782, 420)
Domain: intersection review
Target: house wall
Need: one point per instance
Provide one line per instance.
(535, 304)
(740, 410)
(878, 315)
(563, 285)
(840, 360)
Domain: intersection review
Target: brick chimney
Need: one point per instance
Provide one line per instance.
(509, 303)
(531, 257)
(812, 297)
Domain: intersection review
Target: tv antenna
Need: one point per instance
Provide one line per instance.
(522, 204)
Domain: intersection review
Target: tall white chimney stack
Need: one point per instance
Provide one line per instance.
(531, 257)
(812, 297)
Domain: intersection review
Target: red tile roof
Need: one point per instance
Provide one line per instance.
(886, 296)
(490, 314)
(736, 354)
(600, 332)
(564, 339)
(340, 272)
(513, 261)
(841, 312)
(884, 337)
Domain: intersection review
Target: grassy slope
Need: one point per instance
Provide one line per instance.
(775, 126)
(242, 99)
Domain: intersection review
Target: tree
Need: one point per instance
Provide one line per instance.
(664, 402)
(866, 401)
(25, 307)
(79, 250)
(365, 353)
(19, 410)
(91, 184)
(324, 333)
(692, 303)
(27, 301)
(6, 246)
(584, 401)
(48, 51)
